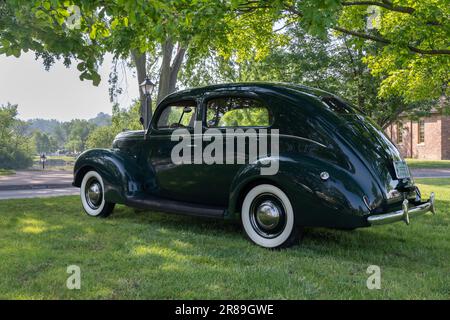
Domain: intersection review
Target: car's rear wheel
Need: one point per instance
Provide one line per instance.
(268, 218)
(93, 196)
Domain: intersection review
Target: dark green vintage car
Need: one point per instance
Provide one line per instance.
(277, 157)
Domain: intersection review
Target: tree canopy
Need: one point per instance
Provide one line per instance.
(412, 59)
(16, 151)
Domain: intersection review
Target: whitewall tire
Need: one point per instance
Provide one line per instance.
(268, 217)
(93, 196)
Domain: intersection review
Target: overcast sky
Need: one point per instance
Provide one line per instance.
(59, 93)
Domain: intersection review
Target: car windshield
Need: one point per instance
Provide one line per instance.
(178, 115)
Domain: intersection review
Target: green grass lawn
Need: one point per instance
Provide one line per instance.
(141, 255)
(6, 172)
(428, 164)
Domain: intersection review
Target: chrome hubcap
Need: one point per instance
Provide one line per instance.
(268, 215)
(94, 194)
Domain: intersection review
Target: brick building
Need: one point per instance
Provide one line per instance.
(428, 138)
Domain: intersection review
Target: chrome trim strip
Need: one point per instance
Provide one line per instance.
(245, 134)
(405, 214)
(303, 139)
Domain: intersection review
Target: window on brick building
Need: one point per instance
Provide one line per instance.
(399, 132)
(421, 133)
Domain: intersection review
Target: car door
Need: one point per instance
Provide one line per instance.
(219, 116)
(225, 117)
(173, 180)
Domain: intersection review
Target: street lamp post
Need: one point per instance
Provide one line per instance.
(43, 160)
(147, 88)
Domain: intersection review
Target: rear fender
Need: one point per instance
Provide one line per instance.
(336, 202)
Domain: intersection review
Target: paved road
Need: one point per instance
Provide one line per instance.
(36, 179)
(431, 173)
(37, 193)
(37, 184)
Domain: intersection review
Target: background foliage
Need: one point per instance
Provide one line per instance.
(404, 44)
(21, 140)
(15, 149)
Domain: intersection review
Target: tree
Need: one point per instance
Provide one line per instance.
(144, 30)
(77, 132)
(415, 57)
(158, 36)
(101, 137)
(412, 62)
(75, 145)
(44, 143)
(60, 136)
(15, 150)
(85, 30)
(44, 27)
(333, 64)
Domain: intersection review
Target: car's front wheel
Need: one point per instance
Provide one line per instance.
(93, 196)
(268, 217)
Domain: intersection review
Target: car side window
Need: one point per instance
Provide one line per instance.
(237, 112)
(178, 115)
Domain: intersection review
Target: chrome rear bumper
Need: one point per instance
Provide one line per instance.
(405, 214)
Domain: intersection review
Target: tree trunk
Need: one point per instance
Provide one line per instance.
(169, 70)
(140, 61)
(168, 75)
(175, 68)
(164, 76)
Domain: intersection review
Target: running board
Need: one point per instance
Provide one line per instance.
(171, 206)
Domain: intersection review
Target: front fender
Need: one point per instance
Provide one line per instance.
(121, 174)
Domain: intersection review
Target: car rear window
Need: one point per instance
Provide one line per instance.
(237, 112)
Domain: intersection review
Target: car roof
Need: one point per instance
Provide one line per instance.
(280, 87)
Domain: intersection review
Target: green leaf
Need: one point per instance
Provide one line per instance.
(93, 33)
(96, 79)
(46, 5)
(81, 66)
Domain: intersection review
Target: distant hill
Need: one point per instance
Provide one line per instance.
(101, 120)
(46, 126)
(50, 126)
